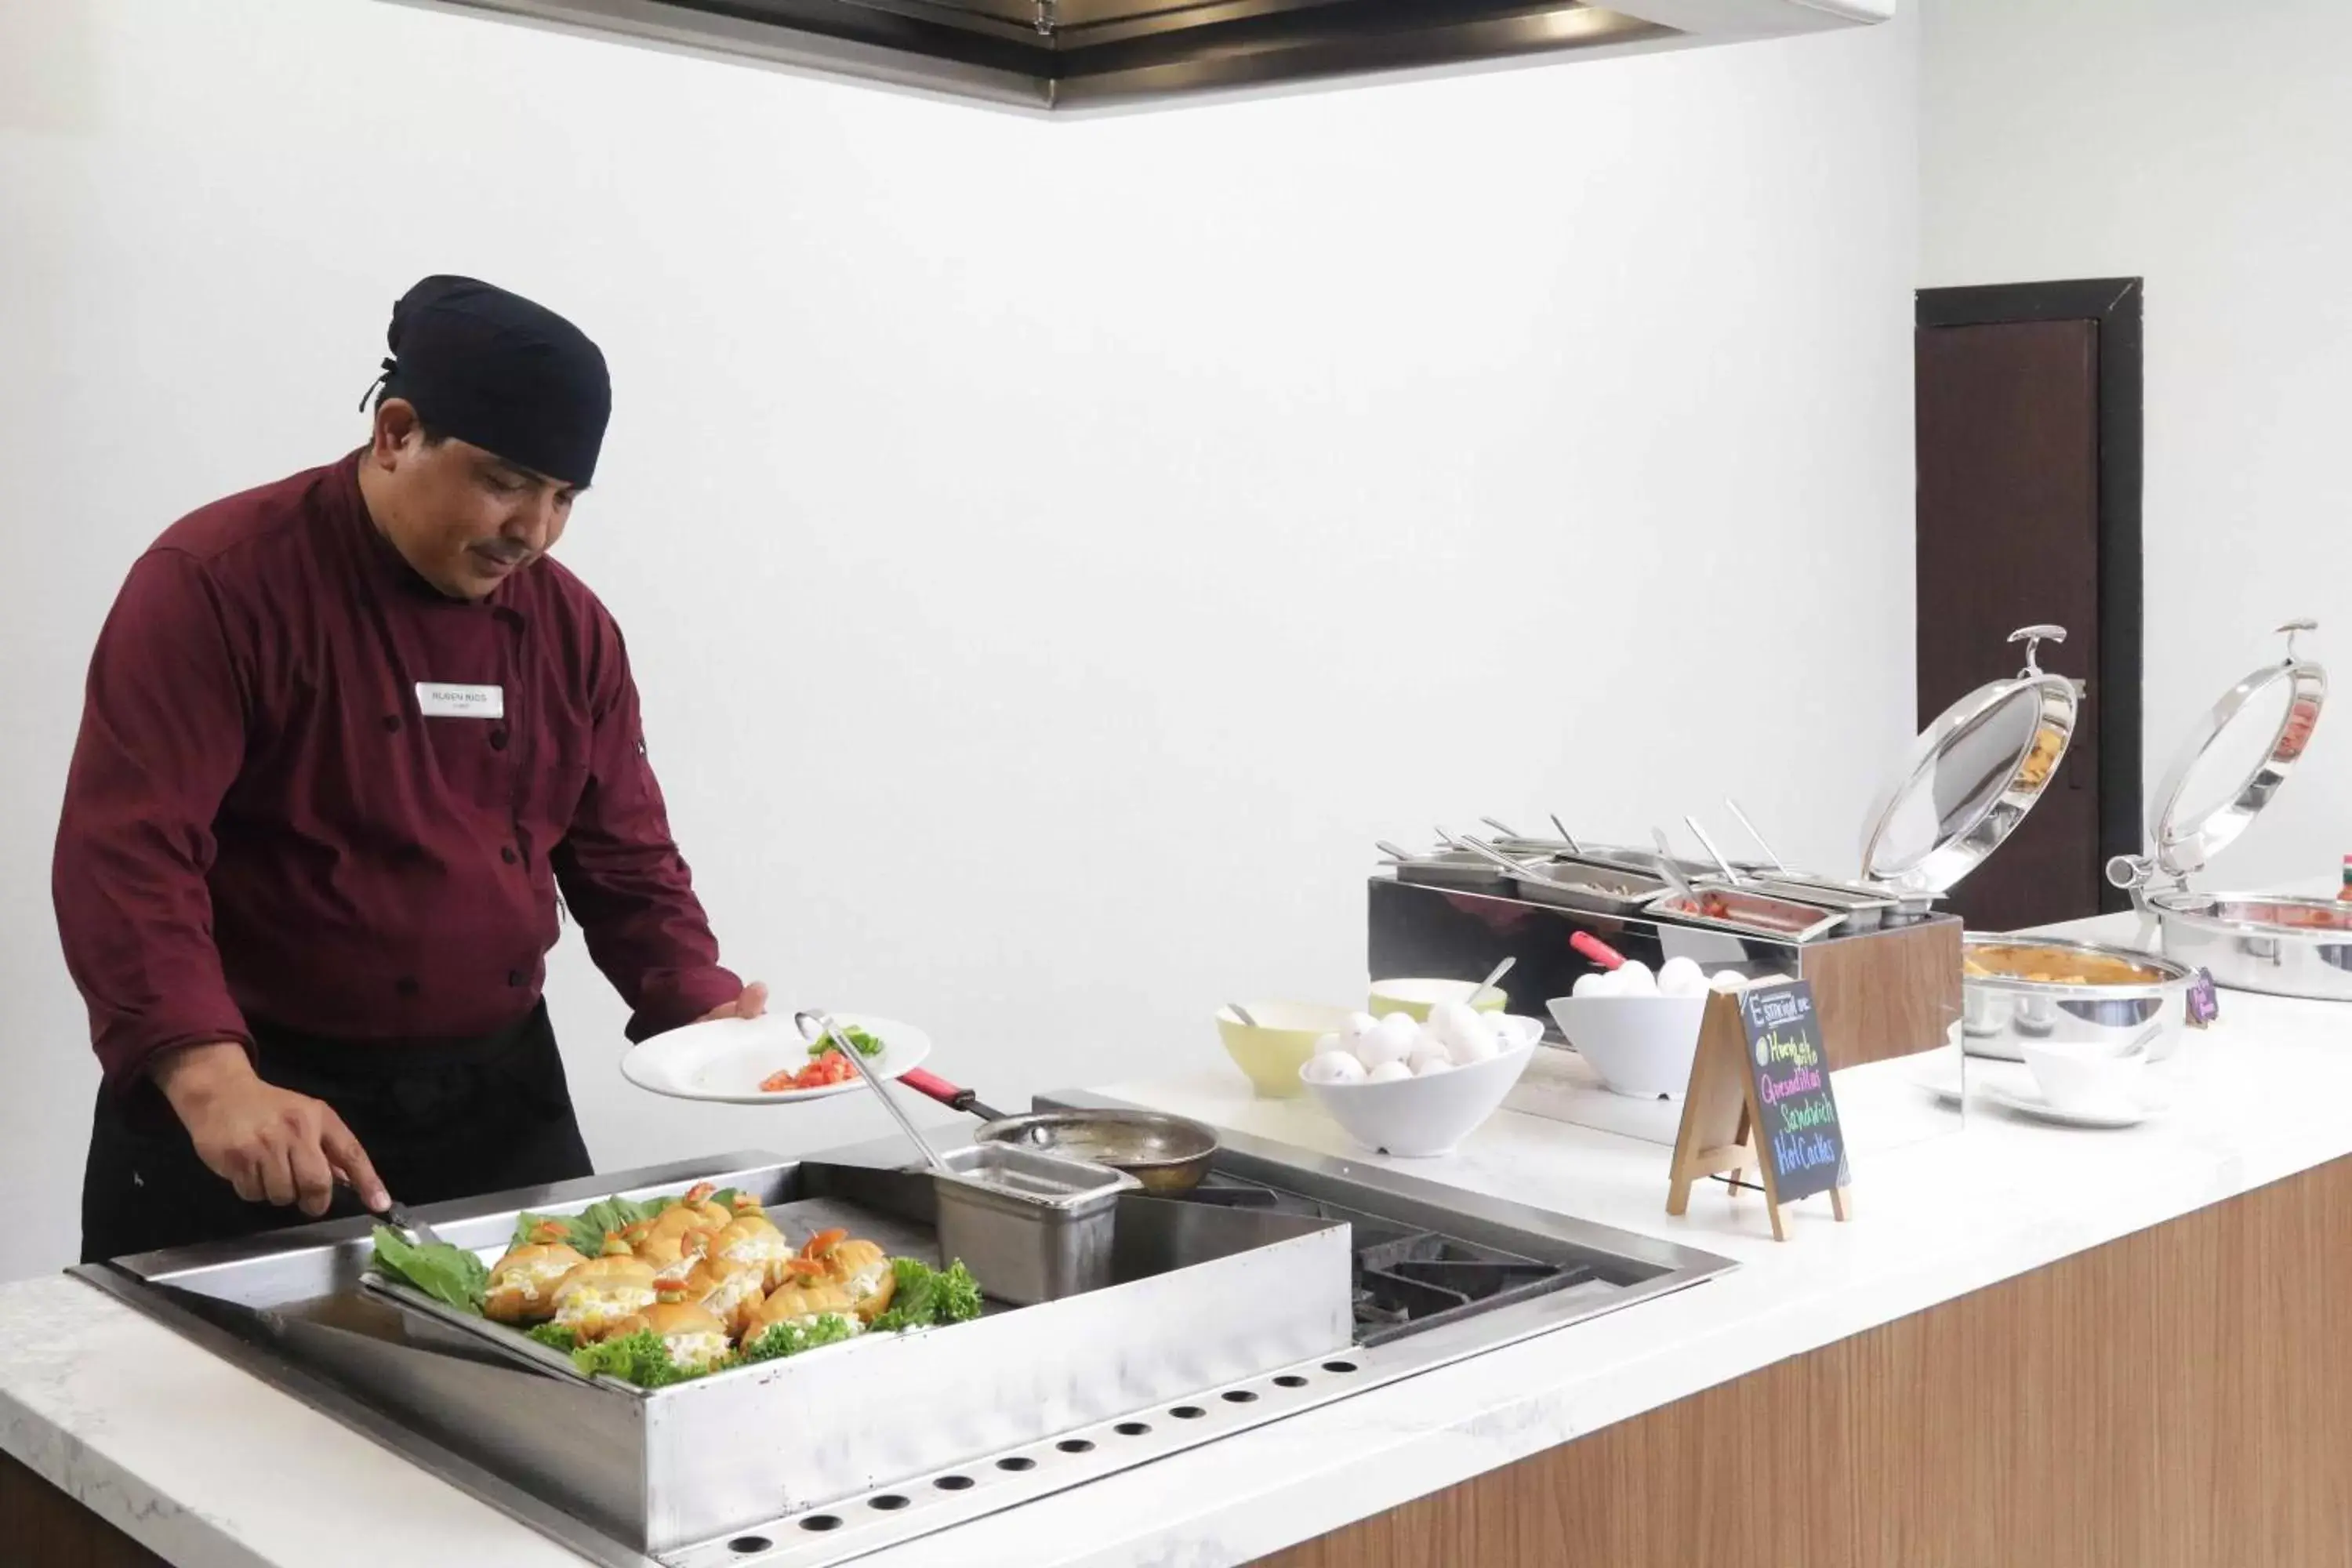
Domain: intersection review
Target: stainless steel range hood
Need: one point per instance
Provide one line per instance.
(1076, 54)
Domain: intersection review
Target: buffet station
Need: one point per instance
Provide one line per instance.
(1586, 1079)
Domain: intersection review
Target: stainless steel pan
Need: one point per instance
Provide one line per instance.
(1166, 1153)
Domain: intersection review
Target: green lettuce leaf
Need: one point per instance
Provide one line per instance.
(927, 1297)
(640, 1358)
(868, 1046)
(779, 1339)
(448, 1274)
(584, 1231)
(556, 1337)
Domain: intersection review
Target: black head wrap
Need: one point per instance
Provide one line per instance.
(500, 372)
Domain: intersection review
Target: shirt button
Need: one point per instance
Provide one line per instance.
(391, 722)
(507, 854)
(498, 740)
(514, 977)
(405, 985)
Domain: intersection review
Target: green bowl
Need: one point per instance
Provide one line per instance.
(1416, 997)
(1272, 1053)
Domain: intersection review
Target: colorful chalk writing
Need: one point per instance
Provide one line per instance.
(1798, 1127)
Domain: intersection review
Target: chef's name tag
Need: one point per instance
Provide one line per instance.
(438, 699)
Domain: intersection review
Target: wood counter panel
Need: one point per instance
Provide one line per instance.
(43, 1528)
(2180, 1398)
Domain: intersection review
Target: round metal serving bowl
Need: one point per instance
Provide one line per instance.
(1166, 1153)
(2261, 942)
(2001, 1015)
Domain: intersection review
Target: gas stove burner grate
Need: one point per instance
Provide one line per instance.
(1406, 1279)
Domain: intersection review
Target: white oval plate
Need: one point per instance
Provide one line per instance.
(2027, 1100)
(725, 1059)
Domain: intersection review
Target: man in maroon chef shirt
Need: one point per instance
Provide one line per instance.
(345, 739)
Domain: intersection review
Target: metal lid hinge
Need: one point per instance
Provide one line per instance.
(2033, 638)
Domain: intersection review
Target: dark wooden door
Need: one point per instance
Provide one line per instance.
(2009, 536)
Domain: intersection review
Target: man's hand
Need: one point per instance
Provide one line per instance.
(268, 1143)
(751, 1004)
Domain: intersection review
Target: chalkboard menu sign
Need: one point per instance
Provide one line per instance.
(1760, 1099)
(1796, 1115)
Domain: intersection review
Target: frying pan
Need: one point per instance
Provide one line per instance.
(1166, 1153)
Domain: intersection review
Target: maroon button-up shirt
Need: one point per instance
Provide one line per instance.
(264, 822)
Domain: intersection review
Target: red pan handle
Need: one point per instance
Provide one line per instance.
(1591, 946)
(938, 1088)
(948, 1094)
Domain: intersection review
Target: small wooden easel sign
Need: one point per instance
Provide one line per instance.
(1759, 1096)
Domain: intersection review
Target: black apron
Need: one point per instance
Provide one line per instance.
(439, 1119)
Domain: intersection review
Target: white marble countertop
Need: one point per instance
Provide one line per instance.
(209, 1467)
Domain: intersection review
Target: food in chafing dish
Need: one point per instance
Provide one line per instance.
(522, 1283)
(694, 1338)
(755, 1240)
(654, 1292)
(674, 1254)
(2055, 966)
(803, 1305)
(598, 1294)
(731, 1291)
(858, 1267)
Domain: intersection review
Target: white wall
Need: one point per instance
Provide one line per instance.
(1155, 510)
(2209, 150)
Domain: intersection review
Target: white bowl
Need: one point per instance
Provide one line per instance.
(1640, 1046)
(1424, 1116)
(2085, 1078)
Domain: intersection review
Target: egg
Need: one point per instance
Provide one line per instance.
(1681, 977)
(1358, 1025)
(1389, 1072)
(1727, 980)
(1392, 1042)
(1596, 984)
(1334, 1067)
(1427, 1058)
(1477, 1046)
(1448, 1020)
(1675, 974)
(1635, 980)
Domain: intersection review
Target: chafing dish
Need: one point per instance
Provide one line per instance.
(1451, 869)
(2261, 942)
(1742, 909)
(1973, 777)
(658, 1471)
(2092, 994)
(2234, 763)
(1580, 884)
(1862, 910)
(1569, 884)
(1968, 781)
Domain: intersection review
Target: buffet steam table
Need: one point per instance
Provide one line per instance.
(2034, 1345)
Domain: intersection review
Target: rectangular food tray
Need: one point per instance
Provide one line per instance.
(878, 1220)
(660, 1470)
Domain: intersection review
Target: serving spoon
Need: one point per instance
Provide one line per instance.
(826, 1029)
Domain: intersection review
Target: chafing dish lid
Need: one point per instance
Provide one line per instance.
(2236, 757)
(1972, 775)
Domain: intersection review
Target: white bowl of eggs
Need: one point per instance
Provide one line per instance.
(1639, 1031)
(1399, 1087)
